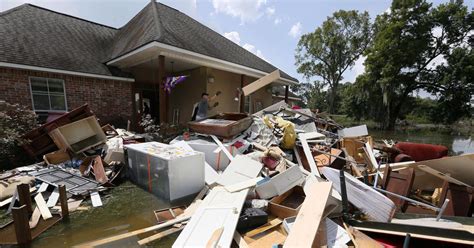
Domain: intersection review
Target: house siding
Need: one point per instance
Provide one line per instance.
(111, 100)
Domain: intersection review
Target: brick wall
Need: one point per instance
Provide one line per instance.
(111, 100)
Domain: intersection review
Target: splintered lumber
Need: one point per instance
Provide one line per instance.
(160, 235)
(261, 82)
(41, 204)
(304, 230)
(219, 143)
(242, 168)
(372, 203)
(219, 208)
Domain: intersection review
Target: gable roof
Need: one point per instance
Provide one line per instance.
(41, 37)
(35, 36)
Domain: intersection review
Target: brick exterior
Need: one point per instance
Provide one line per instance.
(111, 100)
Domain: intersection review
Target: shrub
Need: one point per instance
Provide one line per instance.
(15, 120)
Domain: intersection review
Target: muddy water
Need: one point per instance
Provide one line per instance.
(127, 207)
(457, 143)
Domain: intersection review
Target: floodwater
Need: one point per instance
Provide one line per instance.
(456, 142)
(127, 207)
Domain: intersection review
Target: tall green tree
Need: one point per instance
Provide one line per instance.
(417, 46)
(333, 48)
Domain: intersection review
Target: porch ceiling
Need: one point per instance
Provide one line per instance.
(183, 60)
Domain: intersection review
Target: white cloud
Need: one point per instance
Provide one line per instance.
(351, 74)
(295, 30)
(277, 21)
(246, 10)
(252, 49)
(270, 11)
(233, 36)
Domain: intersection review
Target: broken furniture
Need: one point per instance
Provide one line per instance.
(168, 172)
(166, 214)
(224, 125)
(287, 204)
(400, 183)
(79, 136)
(40, 142)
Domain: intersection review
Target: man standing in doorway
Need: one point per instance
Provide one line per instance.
(200, 109)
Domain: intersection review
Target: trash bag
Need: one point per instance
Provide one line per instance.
(283, 129)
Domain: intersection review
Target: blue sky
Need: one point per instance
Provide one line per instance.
(268, 28)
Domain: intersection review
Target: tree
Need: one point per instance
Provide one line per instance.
(409, 43)
(333, 48)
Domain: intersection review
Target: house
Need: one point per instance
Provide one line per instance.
(55, 62)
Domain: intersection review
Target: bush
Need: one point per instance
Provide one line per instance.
(15, 120)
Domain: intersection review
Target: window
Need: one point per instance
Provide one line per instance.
(48, 94)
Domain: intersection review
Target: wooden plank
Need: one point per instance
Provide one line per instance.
(304, 230)
(22, 227)
(99, 171)
(160, 235)
(307, 151)
(242, 168)
(220, 208)
(35, 217)
(53, 198)
(41, 204)
(375, 205)
(243, 185)
(261, 82)
(273, 223)
(215, 237)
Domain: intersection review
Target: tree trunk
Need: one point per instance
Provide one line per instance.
(332, 98)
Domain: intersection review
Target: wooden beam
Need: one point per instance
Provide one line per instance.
(242, 97)
(24, 196)
(21, 223)
(162, 94)
(41, 204)
(306, 226)
(63, 201)
(287, 93)
(260, 83)
(160, 235)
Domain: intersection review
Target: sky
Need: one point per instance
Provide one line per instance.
(268, 28)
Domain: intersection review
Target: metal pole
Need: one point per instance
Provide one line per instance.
(406, 243)
(441, 210)
(345, 208)
(408, 199)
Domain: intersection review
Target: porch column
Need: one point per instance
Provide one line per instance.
(242, 97)
(163, 98)
(287, 92)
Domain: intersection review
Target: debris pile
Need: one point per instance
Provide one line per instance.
(282, 176)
